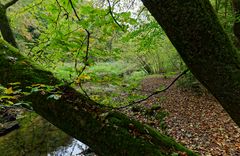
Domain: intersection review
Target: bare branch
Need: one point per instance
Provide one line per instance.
(141, 11)
(157, 92)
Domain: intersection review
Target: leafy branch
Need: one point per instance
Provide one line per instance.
(86, 52)
(111, 13)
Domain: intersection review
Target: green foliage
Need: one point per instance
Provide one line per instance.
(161, 117)
(113, 82)
(154, 51)
(13, 95)
(189, 81)
(64, 37)
(225, 13)
(8, 96)
(58, 39)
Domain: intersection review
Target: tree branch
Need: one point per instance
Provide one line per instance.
(87, 50)
(111, 13)
(60, 10)
(7, 5)
(75, 12)
(156, 92)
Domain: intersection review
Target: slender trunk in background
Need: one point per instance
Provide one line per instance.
(217, 5)
(194, 30)
(236, 25)
(5, 27)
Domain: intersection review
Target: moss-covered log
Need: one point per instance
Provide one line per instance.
(107, 132)
(196, 33)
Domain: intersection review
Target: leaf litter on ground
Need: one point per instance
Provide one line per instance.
(197, 121)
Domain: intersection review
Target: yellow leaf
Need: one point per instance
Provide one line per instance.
(38, 85)
(85, 77)
(91, 40)
(95, 97)
(15, 83)
(77, 81)
(9, 90)
(25, 63)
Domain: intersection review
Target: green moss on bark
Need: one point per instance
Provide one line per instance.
(16, 68)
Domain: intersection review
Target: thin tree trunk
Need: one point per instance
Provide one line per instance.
(5, 27)
(196, 33)
(236, 25)
(217, 5)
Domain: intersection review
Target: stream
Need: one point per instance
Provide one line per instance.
(38, 137)
(73, 149)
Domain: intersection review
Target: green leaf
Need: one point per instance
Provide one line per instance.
(24, 105)
(54, 96)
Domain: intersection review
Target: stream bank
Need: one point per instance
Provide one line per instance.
(36, 136)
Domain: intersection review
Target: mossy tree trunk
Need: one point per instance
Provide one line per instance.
(196, 33)
(236, 25)
(5, 27)
(107, 132)
(217, 5)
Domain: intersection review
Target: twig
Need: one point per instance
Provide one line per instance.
(85, 93)
(76, 60)
(60, 7)
(87, 49)
(140, 12)
(131, 5)
(156, 92)
(85, 63)
(30, 7)
(74, 10)
(111, 13)
(87, 53)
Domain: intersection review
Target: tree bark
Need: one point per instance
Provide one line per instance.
(5, 27)
(236, 25)
(196, 33)
(107, 132)
(10, 3)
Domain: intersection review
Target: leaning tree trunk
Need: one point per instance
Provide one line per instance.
(106, 131)
(5, 26)
(194, 30)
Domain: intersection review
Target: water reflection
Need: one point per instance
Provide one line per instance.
(37, 137)
(75, 148)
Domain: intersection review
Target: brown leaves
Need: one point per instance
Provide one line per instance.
(197, 121)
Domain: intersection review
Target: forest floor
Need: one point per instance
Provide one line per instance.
(196, 120)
